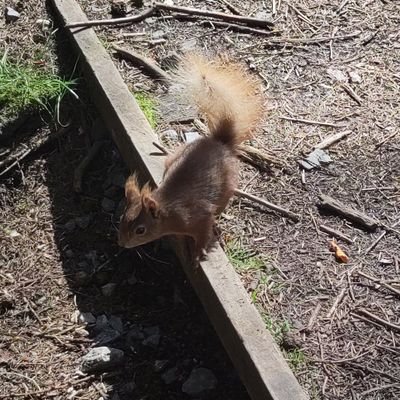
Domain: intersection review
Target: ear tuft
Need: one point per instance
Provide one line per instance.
(132, 190)
(149, 204)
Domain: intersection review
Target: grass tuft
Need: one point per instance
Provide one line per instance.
(25, 88)
(148, 106)
(242, 259)
(296, 358)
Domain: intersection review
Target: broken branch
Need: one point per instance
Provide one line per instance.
(332, 139)
(114, 21)
(289, 214)
(341, 209)
(311, 122)
(142, 62)
(80, 170)
(250, 21)
(335, 233)
(379, 320)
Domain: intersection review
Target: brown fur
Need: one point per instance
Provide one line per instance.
(200, 178)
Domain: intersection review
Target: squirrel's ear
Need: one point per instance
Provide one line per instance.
(150, 205)
(132, 191)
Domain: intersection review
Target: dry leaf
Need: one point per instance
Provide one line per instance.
(340, 255)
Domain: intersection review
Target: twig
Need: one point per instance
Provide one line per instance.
(349, 90)
(335, 233)
(289, 214)
(231, 26)
(310, 122)
(161, 148)
(375, 389)
(230, 7)
(379, 320)
(80, 170)
(316, 40)
(380, 237)
(376, 280)
(262, 23)
(313, 317)
(32, 146)
(372, 189)
(386, 139)
(302, 85)
(302, 16)
(341, 209)
(259, 158)
(337, 301)
(375, 243)
(330, 140)
(114, 21)
(140, 61)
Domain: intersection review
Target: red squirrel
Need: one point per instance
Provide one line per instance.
(201, 176)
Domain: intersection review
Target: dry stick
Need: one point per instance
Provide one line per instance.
(289, 214)
(377, 388)
(379, 320)
(380, 237)
(311, 122)
(335, 233)
(337, 301)
(148, 66)
(230, 7)
(33, 145)
(341, 209)
(376, 280)
(316, 40)
(229, 25)
(250, 21)
(258, 158)
(314, 316)
(386, 139)
(332, 139)
(114, 21)
(349, 90)
(302, 16)
(80, 170)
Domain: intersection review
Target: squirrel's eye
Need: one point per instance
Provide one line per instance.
(140, 230)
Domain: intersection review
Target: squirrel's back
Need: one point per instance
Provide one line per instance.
(227, 96)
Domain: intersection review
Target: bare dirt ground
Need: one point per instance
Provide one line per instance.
(66, 287)
(322, 313)
(333, 62)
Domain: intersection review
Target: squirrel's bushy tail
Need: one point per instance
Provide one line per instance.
(227, 96)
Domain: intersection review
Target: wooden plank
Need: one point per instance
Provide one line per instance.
(252, 349)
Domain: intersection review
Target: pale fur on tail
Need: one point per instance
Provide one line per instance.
(226, 95)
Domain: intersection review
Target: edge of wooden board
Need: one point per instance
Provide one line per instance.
(238, 324)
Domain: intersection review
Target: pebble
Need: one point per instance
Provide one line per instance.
(70, 225)
(69, 253)
(81, 278)
(83, 222)
(108, 205)
(151, 330)
(101, 323)
(44, 24)
(87, 318)
(188, 45)
(108, 289)
(159, 365)
(101, 358)
(192, 136)
(170, 134)
(152, 341)
(134, 334)
(200, 381)
(170, 375)
(337, 75)
(355, 77)
(106, 336)
(11, 15)
(116, 323)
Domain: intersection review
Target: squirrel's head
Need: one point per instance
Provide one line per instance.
(140, 222)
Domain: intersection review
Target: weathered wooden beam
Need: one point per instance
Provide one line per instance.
(252, 349)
